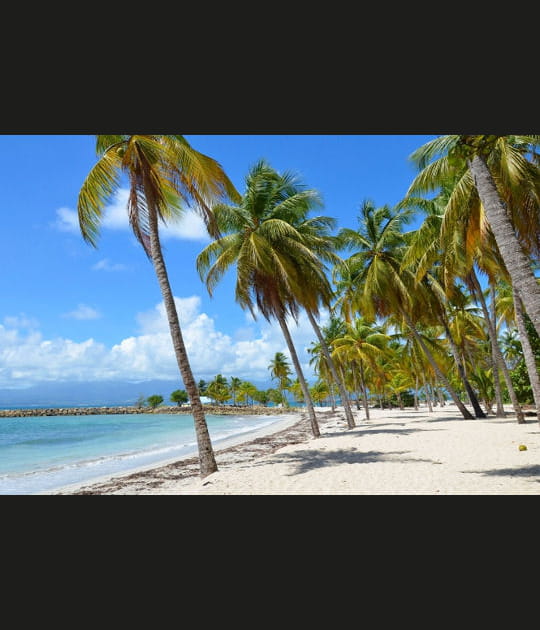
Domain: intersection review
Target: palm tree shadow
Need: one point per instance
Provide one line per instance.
(523, 471)
(360, 432)
(308, 460)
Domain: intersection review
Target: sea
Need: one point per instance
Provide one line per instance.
(41, 454)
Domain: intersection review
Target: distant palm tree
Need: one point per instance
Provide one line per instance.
(164, 173)
(280, 371)
(320, 392)
(234, 385)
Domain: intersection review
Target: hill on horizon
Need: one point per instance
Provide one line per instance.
(91, 394)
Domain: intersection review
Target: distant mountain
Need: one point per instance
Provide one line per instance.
(95, 394)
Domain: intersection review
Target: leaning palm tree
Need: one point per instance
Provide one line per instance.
(503, 171)
(164, 173)
(277, 251)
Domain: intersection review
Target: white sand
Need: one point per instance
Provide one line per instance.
(281, 422)
(396, 452)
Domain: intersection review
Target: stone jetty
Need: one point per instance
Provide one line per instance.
(185, 409)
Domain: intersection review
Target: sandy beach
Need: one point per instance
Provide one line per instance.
(395, 452)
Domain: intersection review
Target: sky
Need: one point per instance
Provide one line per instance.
(72, 312)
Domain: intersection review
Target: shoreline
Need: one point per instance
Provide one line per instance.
(395, 452)
(190, 461)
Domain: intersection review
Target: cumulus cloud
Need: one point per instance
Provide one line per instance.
(189, 227)
(27, 358)
(115, 217)
(83, 311)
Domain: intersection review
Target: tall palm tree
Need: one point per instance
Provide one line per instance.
(165, 174)
(435, 259)
(278, 252)
(503, 170)
(465, 240)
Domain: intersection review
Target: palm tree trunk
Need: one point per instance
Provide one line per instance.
(500, 413)
(342, 377)
(496, 379)
(478, 412)
(465, 412)
(364, 390)
(528, 352)
(342, 392)
(207, 461)
(442, 403)
(300, 374)
(516, 261)
(332, 397)
(428, 397)
(416, 392)
(500, 363)
(355, 386)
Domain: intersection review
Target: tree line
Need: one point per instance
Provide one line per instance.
(449, 309)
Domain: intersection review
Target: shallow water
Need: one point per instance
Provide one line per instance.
(44, 453)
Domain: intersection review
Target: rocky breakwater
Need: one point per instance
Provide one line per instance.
(92, 411)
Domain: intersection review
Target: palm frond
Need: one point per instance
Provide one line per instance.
(96, 190)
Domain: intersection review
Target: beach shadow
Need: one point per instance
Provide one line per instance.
(453, 419)
(523, 471)
(310, 460)
(360, 432)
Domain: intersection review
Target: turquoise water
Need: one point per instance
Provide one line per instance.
(44, 453)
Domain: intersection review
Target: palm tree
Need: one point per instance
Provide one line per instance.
(319, 392)
(507, 182)
(280, 370)
(218, 389)
(277, 250)
(517, 347)
(246, 391)
(360, 346)
(296, 390)
(383, 287)
(434, 260)
(234, 385)
(164, 173)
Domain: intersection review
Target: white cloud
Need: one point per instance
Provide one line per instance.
(106, 265)
(27, 358)
(115, 217)
(83, 312)
(21, 321)
(189, 227)
(67, 221)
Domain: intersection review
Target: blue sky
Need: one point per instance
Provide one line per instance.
(69, 312)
